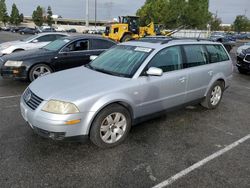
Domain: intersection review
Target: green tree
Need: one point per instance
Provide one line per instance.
(21, 17)
(49, 16)
(3, 12)
(151, 11)
(215, 23)
(197, 15)
(37, 16)
(174, 13)
(15, 16)
(241, 23)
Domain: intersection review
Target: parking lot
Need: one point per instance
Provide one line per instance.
(154, 152)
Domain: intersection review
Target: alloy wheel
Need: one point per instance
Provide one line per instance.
(113, 128)
(216, 95)
(40, 71)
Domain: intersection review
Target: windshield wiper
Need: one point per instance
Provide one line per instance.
(105, 71)
(89, 66)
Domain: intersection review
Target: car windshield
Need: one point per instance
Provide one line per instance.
(56, 45)
(29, 38)
(121, 60)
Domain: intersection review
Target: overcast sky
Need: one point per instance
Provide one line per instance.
(108, 9)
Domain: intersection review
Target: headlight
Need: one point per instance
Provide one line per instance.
(13, 63)
(60, 107)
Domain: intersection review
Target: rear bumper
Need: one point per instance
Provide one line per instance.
(14, 72)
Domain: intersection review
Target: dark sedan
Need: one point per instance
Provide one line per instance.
(243, 61)
(28, 30)
(58, 55)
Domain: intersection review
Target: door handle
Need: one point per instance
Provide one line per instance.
(211, 73)
(183, 79)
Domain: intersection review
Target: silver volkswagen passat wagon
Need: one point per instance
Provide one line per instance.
(131, 81)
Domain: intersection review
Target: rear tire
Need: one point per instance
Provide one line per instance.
(126, 38)
(111, 126)
(39, 70)
(214, 96)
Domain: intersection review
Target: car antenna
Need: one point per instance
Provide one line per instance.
(198, 38)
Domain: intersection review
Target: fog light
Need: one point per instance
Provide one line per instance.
(72, 122)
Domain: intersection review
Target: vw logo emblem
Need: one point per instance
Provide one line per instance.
(28, 97)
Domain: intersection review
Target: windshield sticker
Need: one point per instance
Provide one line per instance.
(141, 49)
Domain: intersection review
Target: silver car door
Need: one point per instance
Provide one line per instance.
(158, 93)
(200, 72)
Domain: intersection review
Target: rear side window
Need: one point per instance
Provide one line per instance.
(46, 38)
(169, 59)
(216, 53)
(101, 44)
(196, 55)
(60, 36)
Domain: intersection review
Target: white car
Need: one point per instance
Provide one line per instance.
(32, 42)
(243, 47)
(59, 29)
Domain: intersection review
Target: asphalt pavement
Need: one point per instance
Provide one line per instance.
(154, 151)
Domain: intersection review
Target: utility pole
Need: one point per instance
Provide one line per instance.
(87, 13)
(245, 14)
(95, 11)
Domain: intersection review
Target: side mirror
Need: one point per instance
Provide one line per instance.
(153, 71)
(93, 57)
(35, 41)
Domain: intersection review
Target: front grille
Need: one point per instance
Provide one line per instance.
(247, 58)
(32, 100)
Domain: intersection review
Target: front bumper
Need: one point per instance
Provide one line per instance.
(53, 125)
(242, 64)
(14, 72)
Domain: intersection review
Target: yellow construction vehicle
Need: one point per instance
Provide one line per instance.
(128, 29)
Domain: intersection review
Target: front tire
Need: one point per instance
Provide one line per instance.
(126, 38)
(111, 126)
(214, 96)
(39, 70)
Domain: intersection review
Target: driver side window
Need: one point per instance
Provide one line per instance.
(80, 45)
(169, 59)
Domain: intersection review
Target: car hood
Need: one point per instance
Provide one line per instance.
(8, 44)
(28, 54)
(76, 84)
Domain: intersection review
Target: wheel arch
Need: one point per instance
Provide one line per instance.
(122, 103)
(220, 78)
(18, 49)
(45, 63)
(32, 65)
